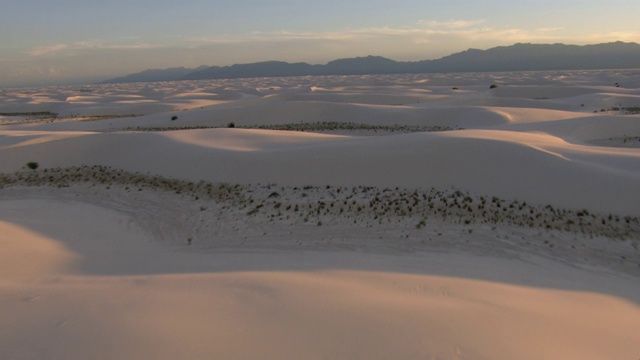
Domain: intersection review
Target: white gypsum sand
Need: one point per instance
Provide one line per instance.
(513, 233)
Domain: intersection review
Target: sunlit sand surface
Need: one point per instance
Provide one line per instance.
(343, 217)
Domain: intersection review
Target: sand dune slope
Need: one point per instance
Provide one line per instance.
(197, 305)
(532, 167)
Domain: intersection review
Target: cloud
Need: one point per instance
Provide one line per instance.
(45, 50)
(455, 34)
(282, 35)
(87, 45)
(629, 36)
(422, 40)
(451, 24)
(549, 29)
(30, 70)
(460, 32)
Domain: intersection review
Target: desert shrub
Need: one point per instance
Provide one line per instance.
(231, 125)
(633, 110)
(493, 86)
(174, 117)
(32, 165)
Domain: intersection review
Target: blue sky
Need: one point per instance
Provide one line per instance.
(66, 41)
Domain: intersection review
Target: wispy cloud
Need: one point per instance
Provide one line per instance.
(88, 45)
(451, 24)
(282, 35)
(422, 32)
(425, 38)
(549, 29)
(44, 50)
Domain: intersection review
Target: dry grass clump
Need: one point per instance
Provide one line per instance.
(633, 110)
(37, 114)
(325, 126)
(349, 126)
(626, 139)
(47, 116)
(363, 205)
(382, 205)
(108, 176)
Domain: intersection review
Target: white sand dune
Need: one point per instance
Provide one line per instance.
(127, 270)
(534, 115)
(545, 92)
(537, 168)
(273, 113)
(88, 284)
(583, 130)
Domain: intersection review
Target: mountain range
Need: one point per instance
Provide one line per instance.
(518, 57)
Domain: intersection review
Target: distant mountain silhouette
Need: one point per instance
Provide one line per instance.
(152, 75)
(617, 55)
(259, 69)
(518, 57)
(362, 65)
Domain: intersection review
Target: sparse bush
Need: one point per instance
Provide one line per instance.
(32, 165)
(452, 207)
(174, 118)
(493, 86)
(231, 125)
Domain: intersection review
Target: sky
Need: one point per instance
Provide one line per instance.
(45, 42)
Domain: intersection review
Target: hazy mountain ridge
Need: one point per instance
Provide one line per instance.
(542, 57)
(151, 75)
(503, 58)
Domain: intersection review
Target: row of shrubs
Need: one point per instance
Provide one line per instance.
(349, 126)
(311, 127)
(273, 203)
